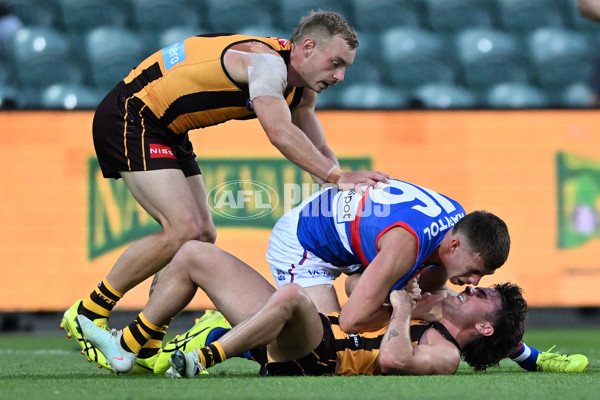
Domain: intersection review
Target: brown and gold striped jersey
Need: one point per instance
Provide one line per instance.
(358, 354)
(187, 87)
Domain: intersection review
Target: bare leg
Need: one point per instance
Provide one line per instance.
(324, 297)
(180, 206)
(235, 289)
(289, 323)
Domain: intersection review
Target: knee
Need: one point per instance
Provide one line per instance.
(195, 255)
(203, 231)
(181, 233)
(292, 297)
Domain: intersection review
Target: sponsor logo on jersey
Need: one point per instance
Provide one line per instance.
(160, 151)
(347, 206)
(283, 42)
(354, 342)
(173, 55)
(280, 275)
(317, 273)
(249, 105)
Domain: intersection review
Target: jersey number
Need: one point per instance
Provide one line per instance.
(411, 193)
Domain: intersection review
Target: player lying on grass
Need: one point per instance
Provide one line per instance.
(392, 233)
(482, 324)
(396, 231)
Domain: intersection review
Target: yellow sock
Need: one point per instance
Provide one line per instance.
(139, 333)
(101, 301)
(212, 354)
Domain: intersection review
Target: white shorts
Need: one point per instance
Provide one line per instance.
(290, 262)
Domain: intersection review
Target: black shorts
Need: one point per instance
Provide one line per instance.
(321, 361)
(129, 137)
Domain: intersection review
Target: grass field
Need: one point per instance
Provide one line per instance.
(35, 366)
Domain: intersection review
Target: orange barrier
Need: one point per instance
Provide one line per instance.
(63, 226)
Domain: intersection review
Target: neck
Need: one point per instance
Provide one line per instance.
(293, 78)
(463, 336)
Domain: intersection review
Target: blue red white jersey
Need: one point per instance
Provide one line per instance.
(343, 227)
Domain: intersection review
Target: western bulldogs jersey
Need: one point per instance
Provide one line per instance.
(343, 227)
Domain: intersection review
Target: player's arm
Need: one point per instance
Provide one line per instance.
(365, 310)
(266, 75)
(397, 355)
(304, 117)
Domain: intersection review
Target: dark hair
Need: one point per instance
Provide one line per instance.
(487, 235)
(509, 326)
(324, 25)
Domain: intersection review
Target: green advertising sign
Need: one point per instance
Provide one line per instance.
(242, 193)
(578, 199)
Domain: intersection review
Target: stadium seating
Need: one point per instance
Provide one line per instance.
(112, 53)
(415, 56)
(175, 34)
(513, 95)
(70, 97)
(378, 15)
(363, 70)
(35, 12)
(577, 95)
(79, 16)
(443, 96)
(488, 56)
(233, 15)
(268, 31)
(291, 11)
(560, 57)
(409, 44)
(153, 16)
(41, 56)
(9, 97)
(524, 16)
(371, 96)
(450, 16)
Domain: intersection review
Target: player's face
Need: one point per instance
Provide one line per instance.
(464, 267)
(327, 63)
(473, 304)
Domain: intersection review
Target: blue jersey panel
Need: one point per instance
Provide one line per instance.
(342, 228)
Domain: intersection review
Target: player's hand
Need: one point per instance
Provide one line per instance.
(429, 308)
(356, 179)
(401, 298)
(412, 287)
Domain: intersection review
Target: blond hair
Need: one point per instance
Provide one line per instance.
(323, 25)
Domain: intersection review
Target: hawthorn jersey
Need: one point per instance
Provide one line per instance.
(343, 227)
(340, 353)
(186, 85)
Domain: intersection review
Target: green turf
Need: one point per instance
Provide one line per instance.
(50, 366)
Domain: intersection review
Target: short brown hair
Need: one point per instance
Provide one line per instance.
(324, 25)
(487, 235)
(509, 322)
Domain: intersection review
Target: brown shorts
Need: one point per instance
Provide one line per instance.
(129, 137)
(321, 361)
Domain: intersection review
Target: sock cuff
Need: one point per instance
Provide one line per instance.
(111, 289)
(149, 324)
(219, 348)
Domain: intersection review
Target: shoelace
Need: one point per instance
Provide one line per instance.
(556, 360)
(198, 367)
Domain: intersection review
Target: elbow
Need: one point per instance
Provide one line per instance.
(347, 324)
(278, 139)
(392, 365)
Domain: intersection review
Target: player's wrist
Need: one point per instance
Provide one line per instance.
(334, 175)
